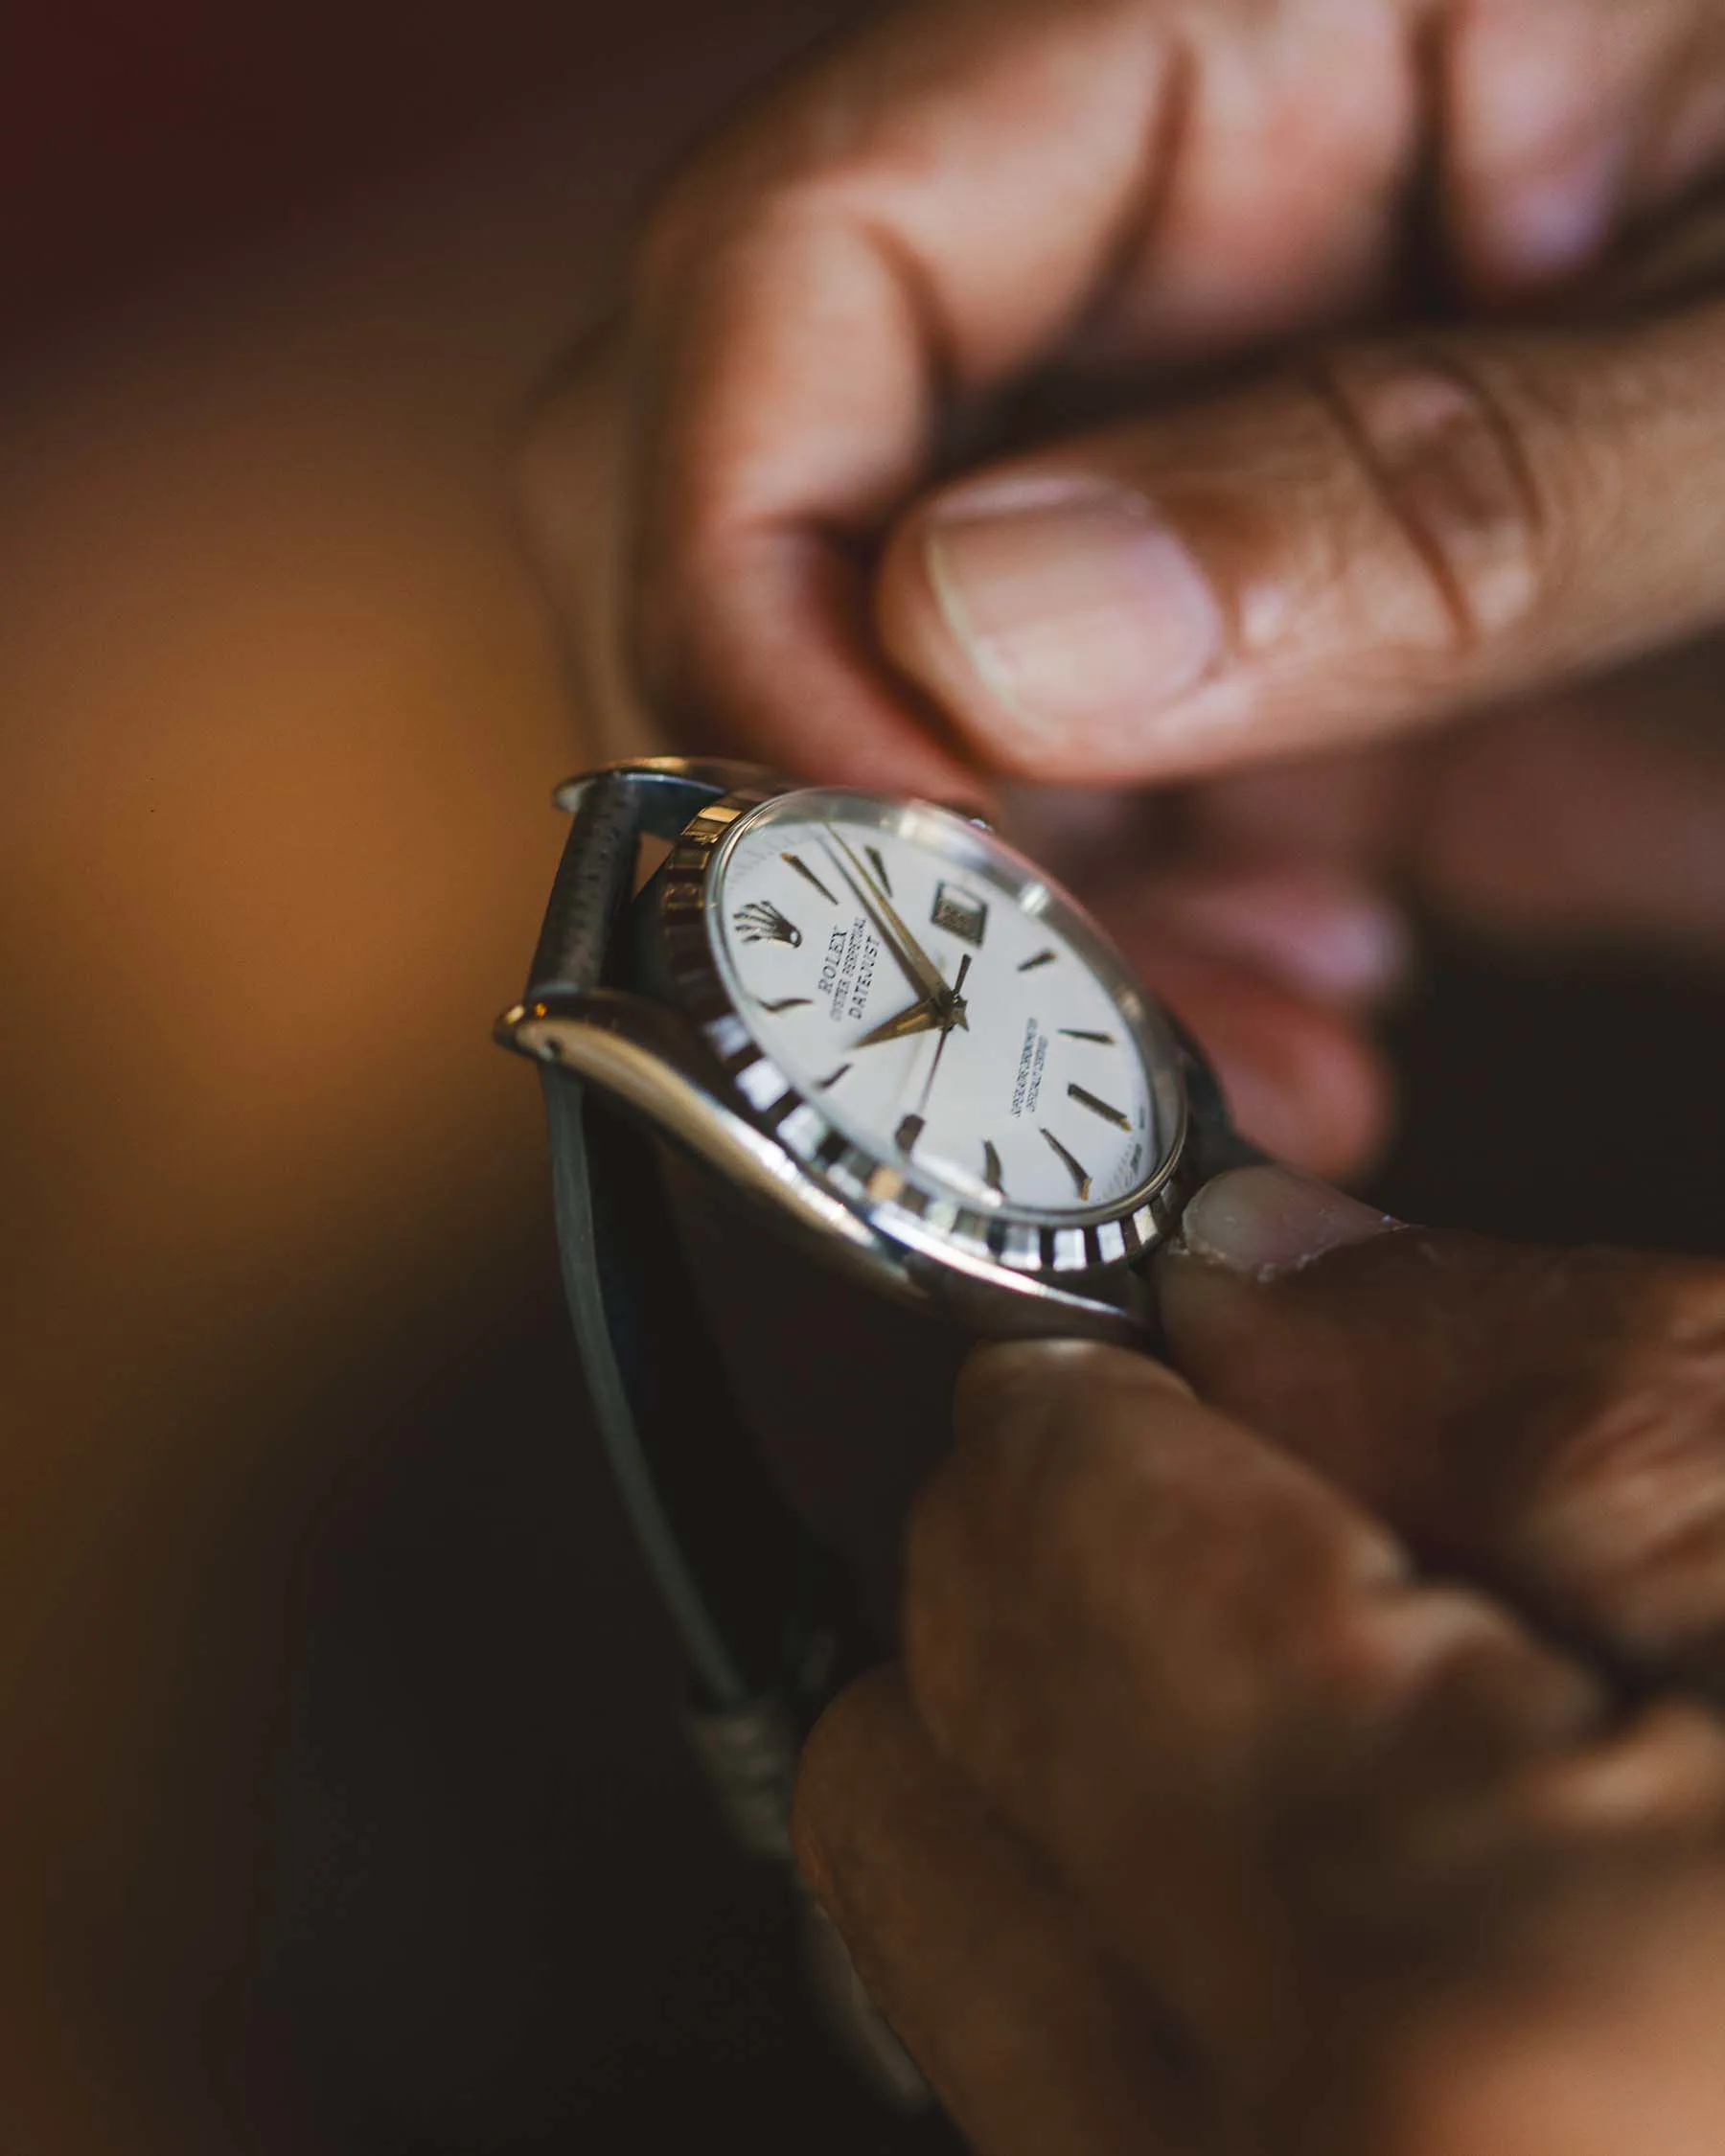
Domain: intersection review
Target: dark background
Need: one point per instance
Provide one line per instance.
(488, 1910)
(139, 143)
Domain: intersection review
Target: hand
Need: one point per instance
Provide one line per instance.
(946, 1034)
(918, 968)
(1330, 1761)
(979, 223)
(922, 1017)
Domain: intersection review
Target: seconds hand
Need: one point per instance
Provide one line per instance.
(911, 1128)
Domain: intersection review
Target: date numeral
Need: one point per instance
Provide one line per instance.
(961, 912)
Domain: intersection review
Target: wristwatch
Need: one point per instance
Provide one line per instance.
(838, 1084)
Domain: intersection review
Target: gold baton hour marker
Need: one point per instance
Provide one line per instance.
(1099, 1108)
(1076, 1168)
(808, 875)
(991, 1168)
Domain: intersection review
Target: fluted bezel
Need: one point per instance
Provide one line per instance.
(910, 1210)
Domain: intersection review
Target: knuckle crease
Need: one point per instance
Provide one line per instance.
(1447, 466)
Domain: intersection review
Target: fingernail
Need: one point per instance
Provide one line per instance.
(1075, 602)
(1550, 221)
(1266, 1221)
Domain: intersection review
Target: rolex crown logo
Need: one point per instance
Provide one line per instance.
(760, 921)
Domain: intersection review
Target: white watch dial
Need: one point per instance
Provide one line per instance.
(944, 1007)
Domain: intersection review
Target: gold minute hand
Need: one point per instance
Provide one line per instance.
(919, 968)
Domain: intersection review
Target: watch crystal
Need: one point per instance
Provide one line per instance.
(947, 1011)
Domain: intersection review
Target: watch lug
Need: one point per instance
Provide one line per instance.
(670, 789)
(647, 1060)
(1011, 1307)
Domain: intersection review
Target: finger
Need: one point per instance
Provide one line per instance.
(938, 206)
(1349, 812)
(1305, 1082)
(1586, 820)
(913, 226)
(1033, 2037)
(818, 296)
(1273, 963)
(1343, 552)
(1552, 1423)
(959, 194)
(1318, 933)
(1590, 818)
(1561, 123)
(1283, 1778)
(1301, 905)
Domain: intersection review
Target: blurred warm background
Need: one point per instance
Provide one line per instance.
(328, 1688)
(342, 1809)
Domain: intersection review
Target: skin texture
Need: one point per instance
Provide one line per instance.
(1273, 448)
(256, 563)
(1210, 399)
(1325, 1760)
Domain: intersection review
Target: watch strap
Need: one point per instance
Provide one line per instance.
(758, 1608)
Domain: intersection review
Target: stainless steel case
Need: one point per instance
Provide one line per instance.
(685, 1062)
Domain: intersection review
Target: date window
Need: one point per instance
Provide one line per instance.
(961, 912)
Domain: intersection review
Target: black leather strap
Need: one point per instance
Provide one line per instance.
(611, 810)
(759, 1608)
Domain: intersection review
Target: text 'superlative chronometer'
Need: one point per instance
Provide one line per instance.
(895, 1049)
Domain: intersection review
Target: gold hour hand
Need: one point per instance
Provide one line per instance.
(920, 1017)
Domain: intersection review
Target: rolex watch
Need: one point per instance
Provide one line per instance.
(838, 1084)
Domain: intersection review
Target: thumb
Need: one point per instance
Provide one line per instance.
(1551, 1424)
(1381, 534)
